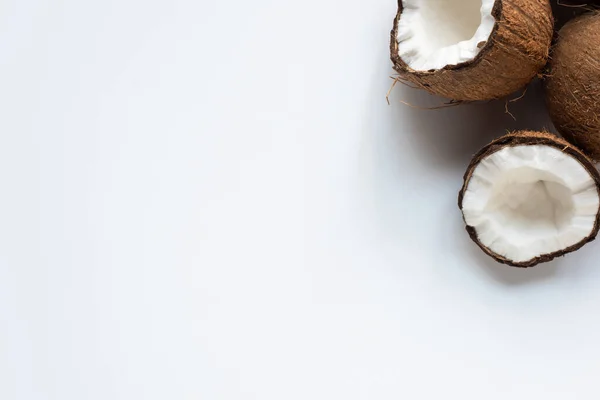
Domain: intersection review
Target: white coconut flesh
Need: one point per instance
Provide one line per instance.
(435, 33)
(530, 200)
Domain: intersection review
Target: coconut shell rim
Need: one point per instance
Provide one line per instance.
(530, 138)
(399, 63)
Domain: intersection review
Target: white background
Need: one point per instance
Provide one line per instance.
(213, 200)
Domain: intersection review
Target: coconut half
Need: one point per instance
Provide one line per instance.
(529, 197)
(471, 49)
(573, 83)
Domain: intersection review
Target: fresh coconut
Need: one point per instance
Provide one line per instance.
(471, 49)
(573, 83)
(529, 197)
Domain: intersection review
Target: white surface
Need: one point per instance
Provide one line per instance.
(212, 200)
(528, 201)
(435, 33)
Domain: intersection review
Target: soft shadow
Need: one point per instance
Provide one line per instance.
(511, 275)
(564, 10)
(580, 266)
(450, 136)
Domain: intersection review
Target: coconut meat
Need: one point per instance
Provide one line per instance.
(435, 33)
(530, 200)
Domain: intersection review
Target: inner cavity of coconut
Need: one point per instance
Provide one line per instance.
(435, 33)
(530, 200)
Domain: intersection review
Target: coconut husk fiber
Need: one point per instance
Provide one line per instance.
(516, 51)
(573, 83)
(530, 138)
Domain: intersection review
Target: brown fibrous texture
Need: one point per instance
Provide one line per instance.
(573, 83)
(514, 54)
(521, 138)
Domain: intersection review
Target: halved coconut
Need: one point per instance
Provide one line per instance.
(529, 197)
(471, 49)
(573, 83)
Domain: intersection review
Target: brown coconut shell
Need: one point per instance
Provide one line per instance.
(516, 51)
(530, 138)
(573, 83)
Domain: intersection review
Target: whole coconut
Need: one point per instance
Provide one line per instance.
(470, 50)
(573, 83)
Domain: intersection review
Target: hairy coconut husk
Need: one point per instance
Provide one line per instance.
(573, 83)
(530, 138)
(515, 52)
